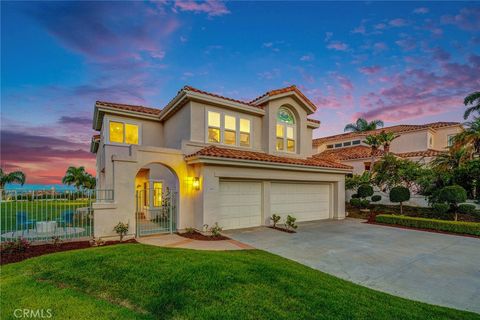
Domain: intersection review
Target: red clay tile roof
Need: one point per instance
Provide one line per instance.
(349, 153)
(189, 88)
(129, 107)
(362, 152)
(395, 129)
(424, 153)
(283, 90)
(220, 152)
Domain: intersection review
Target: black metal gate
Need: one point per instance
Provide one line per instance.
(156, 211)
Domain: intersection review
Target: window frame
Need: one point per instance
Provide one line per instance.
(122, 121)
(450, 140)
(285, 130)
(237, 117)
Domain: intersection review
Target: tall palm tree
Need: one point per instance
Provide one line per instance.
(469, 138)
(451, 160)
(75, 176)
(12, 177)
(362, 125)
(374, 142)
(386, 139)
(474, 99)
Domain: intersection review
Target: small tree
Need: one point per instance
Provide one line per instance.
(121, 229)
(453, 195)
(365, 191)
(400, 194)
(275, 219)
(290, 223)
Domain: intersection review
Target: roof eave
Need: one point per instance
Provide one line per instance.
(101, 110)
(305, 104)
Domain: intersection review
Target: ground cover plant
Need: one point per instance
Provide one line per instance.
(135, 281)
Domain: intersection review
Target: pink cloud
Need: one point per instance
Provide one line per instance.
(380, 46)
(337, 45)
(421, 10)
(467, 19)
(211, 7)
(398, 22)
(370, 70)
(307, 57)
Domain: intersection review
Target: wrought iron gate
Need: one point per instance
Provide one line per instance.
(156, 211)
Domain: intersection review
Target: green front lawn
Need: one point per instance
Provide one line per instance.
(135, 281)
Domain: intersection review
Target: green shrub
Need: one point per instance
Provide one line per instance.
(453, 195)
(441, 208)
(216, 230)
(364, 203)
(472, 228)
(365, 190)
(376, 198)
(354, 196)
(355, 202)
(290, 223)
(275, 219)
(466, 208)
(400, 194)
(121, 229)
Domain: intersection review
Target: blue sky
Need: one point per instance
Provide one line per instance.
(408, 62)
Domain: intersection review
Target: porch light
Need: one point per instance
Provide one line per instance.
(196, 183)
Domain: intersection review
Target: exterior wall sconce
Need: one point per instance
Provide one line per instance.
(196, 183)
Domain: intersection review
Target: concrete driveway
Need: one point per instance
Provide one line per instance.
(430, 267)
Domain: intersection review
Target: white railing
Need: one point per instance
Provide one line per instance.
(48, 215)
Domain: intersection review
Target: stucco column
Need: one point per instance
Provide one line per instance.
(266, 210)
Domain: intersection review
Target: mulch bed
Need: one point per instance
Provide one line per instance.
(421, 229)
(282, 229)
(195, 235)
(42, 249)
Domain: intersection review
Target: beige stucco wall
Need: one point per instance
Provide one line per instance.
(177, 128)
(440, 141)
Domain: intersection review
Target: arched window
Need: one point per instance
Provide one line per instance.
(286, 130)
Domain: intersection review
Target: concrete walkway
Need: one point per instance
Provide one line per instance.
(176, 241)
(430, 267)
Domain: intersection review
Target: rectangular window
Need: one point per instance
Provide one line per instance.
(116, 132)
(157, 193)
(244, 132)
(329, 146)
(279, 144)
(230, 133)
(338, 145)
(450, 139)
(213, 127)
(290, 145)
(346, 144)
(355, 142)
(120, 132)
(280, 131)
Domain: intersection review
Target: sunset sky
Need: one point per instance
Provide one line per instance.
(400, 62)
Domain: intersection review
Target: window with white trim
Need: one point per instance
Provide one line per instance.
(122, 132)
(285, 131)
(450, 139)
(228, 129)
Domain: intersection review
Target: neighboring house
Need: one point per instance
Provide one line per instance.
(231, 162)
(420, 143)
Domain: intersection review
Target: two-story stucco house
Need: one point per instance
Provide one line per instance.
(419, 143)
(229, 162)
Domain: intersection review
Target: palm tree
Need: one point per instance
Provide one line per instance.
(386, 139)
(469, 138)
(362, 125)
(12, 177)
(75, 176)
(451, 160)
(374, 142)
(474, 99)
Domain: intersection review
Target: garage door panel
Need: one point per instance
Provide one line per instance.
(306, 202)
(240, 204)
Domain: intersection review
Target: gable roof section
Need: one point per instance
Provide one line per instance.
(364, 152)
(395, 129)
(293, 89)
(235, 154)
(129, 109)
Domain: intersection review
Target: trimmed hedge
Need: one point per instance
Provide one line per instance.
(472, 228)
(441, 208)
(376, 198)
(467, 208)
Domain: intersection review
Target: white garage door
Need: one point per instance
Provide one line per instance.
(305, 202)
(240, 204)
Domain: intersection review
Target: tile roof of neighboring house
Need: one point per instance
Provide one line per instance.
(424, 153)
(129, 107)
(220, 152)
(284, 90)
(350, 153)
(395, 129)
(362, 152)
(189, 88)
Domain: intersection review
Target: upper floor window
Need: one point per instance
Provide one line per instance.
(450, 139)
(228, 129)
(121, 132)
(285, 131)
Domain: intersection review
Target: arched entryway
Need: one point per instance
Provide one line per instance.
(156, 187)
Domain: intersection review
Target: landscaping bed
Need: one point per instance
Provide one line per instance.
(195, 235)
(282, 229)
(453, 227)
(136, 281)
(42, 249)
